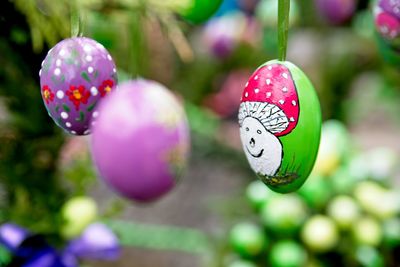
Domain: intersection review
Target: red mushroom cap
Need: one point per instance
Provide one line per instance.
(272, 84)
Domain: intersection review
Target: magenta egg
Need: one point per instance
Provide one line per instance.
(140, 142)
(75, 75)
(336, 11)
(391, 6)
(387, 22)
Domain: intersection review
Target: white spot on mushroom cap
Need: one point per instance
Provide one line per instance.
(246, 94)
(269, 67)
(281, 101)
(87, 48)
(256, 77)
(291, 119)
(256, 90)
(284, 75)
(109, 57)
(247, 84)
(268, 81)
(268, 94)
(73, 132)
(284, 89)
(294, 103)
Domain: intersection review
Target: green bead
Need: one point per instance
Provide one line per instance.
(284, 214)
(242, 263)
(198, 11)
(391, 232)
(287, 253)
(247, 239)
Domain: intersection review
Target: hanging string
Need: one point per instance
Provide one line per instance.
(283, 27)
(76, 20)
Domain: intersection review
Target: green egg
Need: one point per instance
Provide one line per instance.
(280, 125)
(198, 11)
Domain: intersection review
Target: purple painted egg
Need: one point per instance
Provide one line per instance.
(140, 141)
(75, 75)
(336, 11)
(391, 6)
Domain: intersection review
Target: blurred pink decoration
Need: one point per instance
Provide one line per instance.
(226, 102)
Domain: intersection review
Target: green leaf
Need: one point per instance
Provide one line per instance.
(283, 27)
(66, 108)
(92, 106)
(160, 237)
(81, 116)
(57, 108)
(85, 76)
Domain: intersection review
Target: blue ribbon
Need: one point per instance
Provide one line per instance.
(97, 241)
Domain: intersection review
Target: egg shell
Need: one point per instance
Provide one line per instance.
(140, 142)
(75, 75)
(280, 125)
(336, 11)
(199, 11)
(390, 6)
(388, 26)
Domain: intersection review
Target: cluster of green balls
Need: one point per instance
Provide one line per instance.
(346, 214)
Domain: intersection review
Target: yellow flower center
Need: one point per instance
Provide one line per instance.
(46, 94)
(107, 89)
(77, 94)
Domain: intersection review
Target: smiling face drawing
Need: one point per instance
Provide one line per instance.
(263, 149)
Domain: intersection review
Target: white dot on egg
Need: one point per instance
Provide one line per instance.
(57, 71)
(89, 58)
(109, 57)
(291, 119)
(268, 81)
(60, 94)
(256, 77)
(86, 132)
(285, 75)
(294, 103)
(247, 84)
(90, 69)
(58, 62)
(95, 114)
(256, 90)
(87, 48)
(64, 115)
(73, 132)
(68, 124)
(114, 70)
(246, 94)
(94, 91)
(62, 52)
(269, 67)
(281, 101)
(268, 94)
(284, 89)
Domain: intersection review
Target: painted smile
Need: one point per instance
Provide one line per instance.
(256, 156)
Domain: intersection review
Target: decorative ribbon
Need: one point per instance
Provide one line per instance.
(96, 242)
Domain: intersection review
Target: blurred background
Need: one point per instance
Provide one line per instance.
(346, 214)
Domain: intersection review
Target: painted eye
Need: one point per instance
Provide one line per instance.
(247, 129)
(259, 131)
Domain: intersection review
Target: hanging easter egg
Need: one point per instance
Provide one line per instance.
(280, 125)
(387, 21)
(75, 75)
(140, 141)
(198, 11)
(336, 11)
